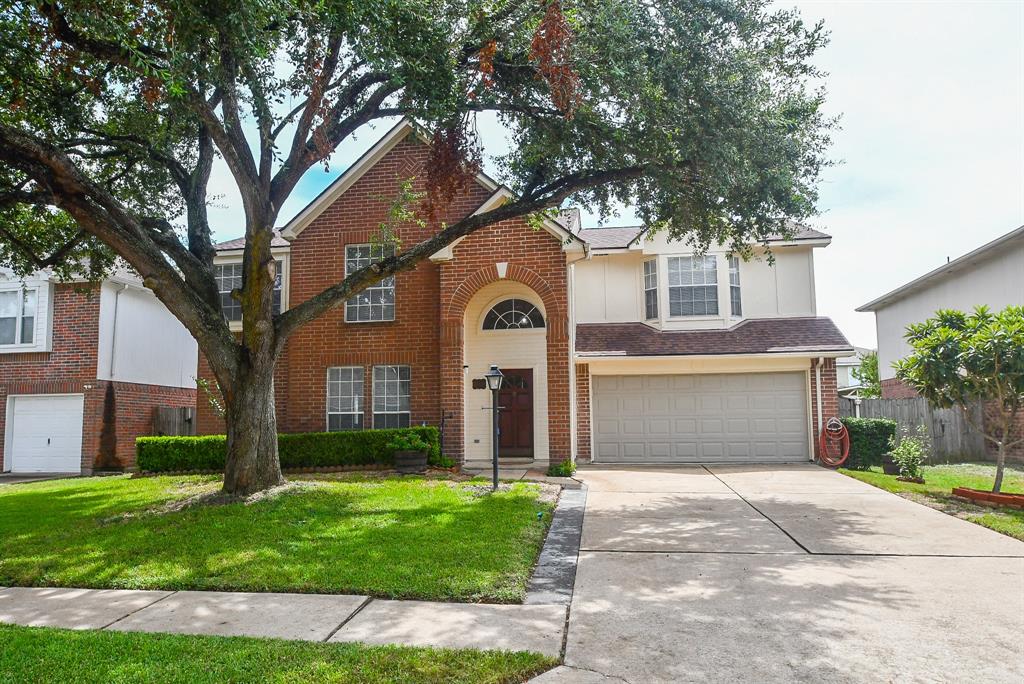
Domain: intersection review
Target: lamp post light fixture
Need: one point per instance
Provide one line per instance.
(493, 377)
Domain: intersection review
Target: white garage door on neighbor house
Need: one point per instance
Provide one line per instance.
(45, 433)
(713, 418)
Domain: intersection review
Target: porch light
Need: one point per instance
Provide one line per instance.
(494, 377)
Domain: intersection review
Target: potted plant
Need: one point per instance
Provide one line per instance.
(410, 452)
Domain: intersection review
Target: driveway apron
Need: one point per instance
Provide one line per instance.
(787, 573)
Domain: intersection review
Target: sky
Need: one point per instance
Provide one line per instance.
(930, 152)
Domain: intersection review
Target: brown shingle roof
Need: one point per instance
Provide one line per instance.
(239, 243)
(755, 336)
(610, 238)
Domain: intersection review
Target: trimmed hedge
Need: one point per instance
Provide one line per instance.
(301, 450)
(870, 440)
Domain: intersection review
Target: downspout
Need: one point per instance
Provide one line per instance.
(113, 330)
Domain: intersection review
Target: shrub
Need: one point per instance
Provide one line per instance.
(870, 440)
(302, 450)
(408, 441)
(564, 469)
(912, 451)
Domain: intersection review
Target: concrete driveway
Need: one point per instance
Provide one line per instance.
(786, 573)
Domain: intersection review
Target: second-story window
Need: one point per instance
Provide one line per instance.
(229, 278)
(734, 286)
(692, 286)
(17, 316)
(377, 302)
(651, 289)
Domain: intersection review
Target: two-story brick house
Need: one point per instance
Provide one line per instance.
(82, 365)
(614, 345)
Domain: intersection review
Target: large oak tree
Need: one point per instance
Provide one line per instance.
(702, 114)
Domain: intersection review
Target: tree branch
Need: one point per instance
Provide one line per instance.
(334, 296)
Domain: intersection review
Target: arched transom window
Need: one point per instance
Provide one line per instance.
(512, 314)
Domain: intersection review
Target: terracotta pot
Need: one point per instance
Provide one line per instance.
(411, 461)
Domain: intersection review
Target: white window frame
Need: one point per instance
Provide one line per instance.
(650, 283)
(735, 288)
(708, 279)
(399, 395)
(387, 284)
(19, 318)
(283, 266)
(359, 397)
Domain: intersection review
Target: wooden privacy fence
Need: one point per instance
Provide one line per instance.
(953, 438)
(168, 420)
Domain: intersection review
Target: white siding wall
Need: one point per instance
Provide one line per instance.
(996, 282)
(141, 341)
(609, 289)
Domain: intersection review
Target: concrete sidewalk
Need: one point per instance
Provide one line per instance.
(307, 617)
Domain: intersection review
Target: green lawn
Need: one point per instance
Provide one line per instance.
(936, 492)
(34, 654)
(396, 538)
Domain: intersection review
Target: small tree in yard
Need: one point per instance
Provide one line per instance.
(960, 358)
(867, 375)
(701, 115)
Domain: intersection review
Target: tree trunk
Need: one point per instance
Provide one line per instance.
(1000, 460)
(252, 462)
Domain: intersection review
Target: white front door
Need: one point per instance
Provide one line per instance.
(45, 433)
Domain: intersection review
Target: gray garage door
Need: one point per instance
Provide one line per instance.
(735, 418)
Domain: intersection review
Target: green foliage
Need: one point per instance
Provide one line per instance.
(959, 358)
(867, 376)
(911, 451)
(407, 441)
(565, 468)
(870, 440)
(300, 450)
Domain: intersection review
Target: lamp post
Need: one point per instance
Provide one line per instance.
(493, 377)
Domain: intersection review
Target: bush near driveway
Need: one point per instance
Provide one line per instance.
(936, 492)
(870, 440)
(41, 654)
(388, 537)
(297, 450)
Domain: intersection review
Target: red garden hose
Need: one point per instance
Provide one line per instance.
(834, 443)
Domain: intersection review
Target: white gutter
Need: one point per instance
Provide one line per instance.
(584, 356)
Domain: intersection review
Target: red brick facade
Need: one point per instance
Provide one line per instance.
(430, 302)
(829, 396)
(115, 413)
(895, 389)
(583, 412)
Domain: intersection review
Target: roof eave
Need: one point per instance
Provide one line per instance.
(955, 264)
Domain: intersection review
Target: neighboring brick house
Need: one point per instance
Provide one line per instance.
(547, 306)
(992, 275)
(81, 368)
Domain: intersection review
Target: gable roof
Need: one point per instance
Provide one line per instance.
(969, 260)
(239, 243)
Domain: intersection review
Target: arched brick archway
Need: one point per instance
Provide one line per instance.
(454, 383)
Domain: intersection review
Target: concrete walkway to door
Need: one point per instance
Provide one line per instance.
(785, 573)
